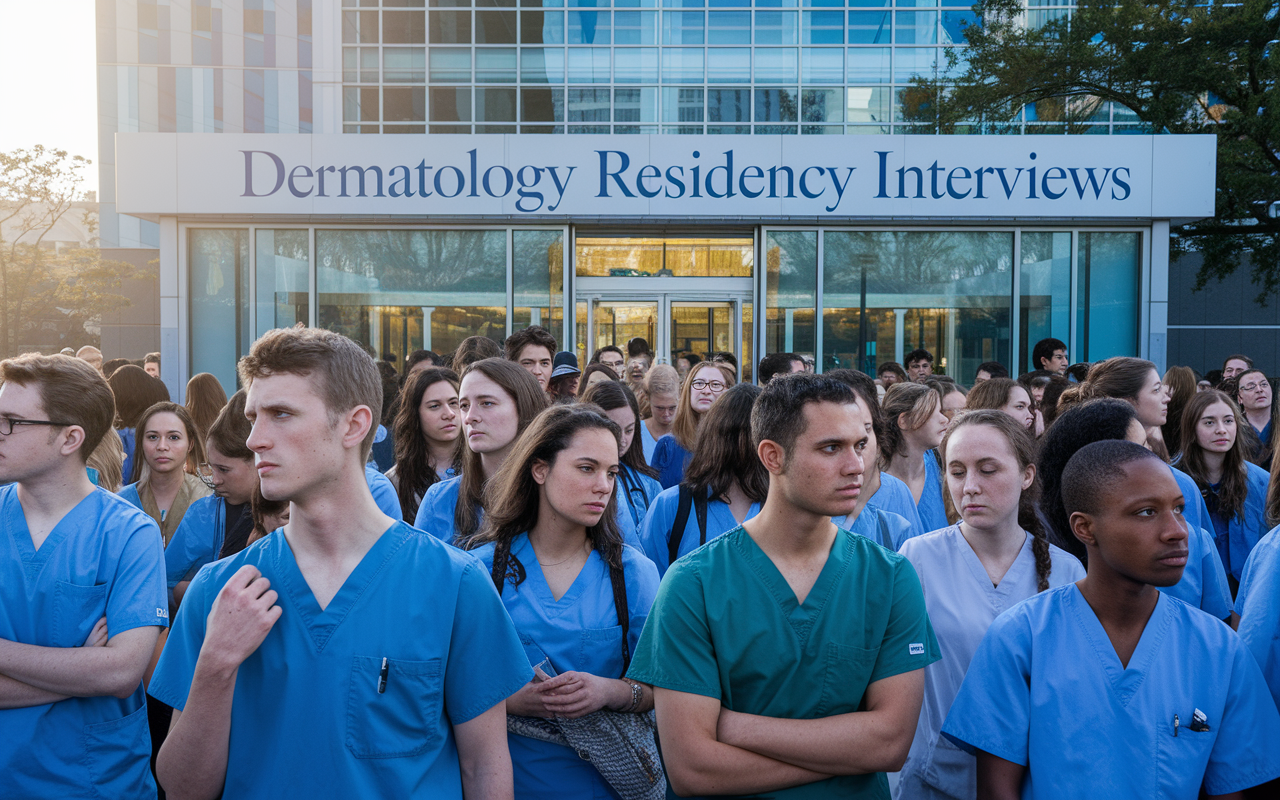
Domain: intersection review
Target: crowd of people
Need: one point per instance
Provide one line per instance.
(493, 574)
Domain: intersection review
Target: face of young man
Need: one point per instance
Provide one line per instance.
(1056, 363)
(1233, 367)
(1138, 526)
(919, 370)
(613, 361)
(295, 443)
(825, 465)
(152, 368)
(536, 360)
(31, 449)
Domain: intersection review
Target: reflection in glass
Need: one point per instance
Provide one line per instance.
(776, 65)
(869, 27)
(219, 264)
(636, 64)
(868, 104)
(822, 65)
(1045, 285)
(1108, 266)
(589, 64)
(728, 65)
(538, 274)
(682, 65)
(638, 104)
(542, 64)
(589, 27)
(643, 257)
(681, 105)
(729, 105)
(635, 27)
(791, 281)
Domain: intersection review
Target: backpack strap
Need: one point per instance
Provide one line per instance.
(501, 558)
(619, 580)
(676, 534)
(700, 506)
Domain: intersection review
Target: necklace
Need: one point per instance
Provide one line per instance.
(558, 563)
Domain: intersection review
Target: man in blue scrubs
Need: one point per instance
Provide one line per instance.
(348, 655)
(1107, 688)
(787, 656)
(82, 596)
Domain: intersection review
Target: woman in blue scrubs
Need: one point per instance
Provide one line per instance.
(662, 384)
(637, 481)
(1204, 582)
(723, 487)
(171, 452)
(578, 596)
(914, 424)
(1235, 490)
(971, 572)
(704, 383)
(428, 435)
(498, 399)
(1004, 394)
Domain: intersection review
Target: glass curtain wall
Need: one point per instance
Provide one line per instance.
(283, 264)
(219, 290)
(1045, 289)
(791, 292)
(538, 280)
(1107, 270)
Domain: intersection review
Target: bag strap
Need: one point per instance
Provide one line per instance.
(501, 557)
(676, 534)
(700, 506)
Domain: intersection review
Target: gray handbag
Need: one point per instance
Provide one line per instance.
(622, 747)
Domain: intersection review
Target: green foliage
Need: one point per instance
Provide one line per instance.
(49, 295)
(1180, 67)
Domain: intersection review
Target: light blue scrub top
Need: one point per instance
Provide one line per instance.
(435, 512)
(103, 559)
(962, 603)
(1204, 581)
(895, 496)
(307, 719)
(1046, 690)
(1259, 602)
(197, 541)
(129, 440)
(1243, 535)
(647, 442)
(579, 632)
(670, 459)
(655, 531)
(636, 492)
(933, 512)
(882, 527)
(384, 493)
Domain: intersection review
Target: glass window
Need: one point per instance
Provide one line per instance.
(406, 104)
(450, 27)
(542, 65)
(909, 62)
(682, 27)
(729, 105)
(729, 27)
(495, 27)
(822, 65)
(538, 274)
(636, 64)
(588, 105)
(1107, 271)
(588, 65)
(945, 291)
(776, 105)
(916, 27)
(776, 27)
(823, 27)
(868, 104)
(709, 257)
(682, 65)
(1045, 285)
(404, 27)
(869, 64)
(400, 291)
(542, 27)
(869, 27)
(404, 64)
(728, 65)
(635, 104)
(954, 21)
(283, 278)
(791, 291)
(635, 27)
(588, 27)
(822, 105)
(450, 104)
(450, 64)
(360, 103)
(681, 105)
(219, 264)
(495, 104)
(542, 105)
(776, 65)
(495, 65)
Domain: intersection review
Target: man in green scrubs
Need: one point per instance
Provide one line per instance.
(787, 656)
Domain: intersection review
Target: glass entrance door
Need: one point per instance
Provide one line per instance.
(672, 325)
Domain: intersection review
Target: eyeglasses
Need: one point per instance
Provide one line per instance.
(1252, 387)
(715, 386)
(7, 424)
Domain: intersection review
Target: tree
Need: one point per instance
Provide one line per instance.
(49, 294)
(1180, 67)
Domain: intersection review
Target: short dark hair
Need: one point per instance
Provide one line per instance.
(777, 415)
(993, 369)
(71, 391)
(473, 349)
(894, 367)
(1237, 357)
(1080, 371)
(1095, 469)
(775, 364)
(418, 356)
(1045, 348)
(639, 346)
(151, 358)
(919, 354)
(608, 348)
(535, 335)
(110, 366)
(725, 357)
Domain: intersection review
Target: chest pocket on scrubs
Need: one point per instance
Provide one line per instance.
(844, 680)
(951, 770)
(403, 719)
(597, 648)
(116, 752)
(76, 609)
(1184, 754)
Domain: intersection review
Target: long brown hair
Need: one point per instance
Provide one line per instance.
(195, 448)
(530, 400)
(1122, 377)
(915, 400)
(1024, 449)
(514, 496)
(610, 395)
(1234, 486)
(229, 433)
(1182, 387)
(1273, 492)
(685, 426)
(994, 394)
(205, 398)
(724, 453)
(135, 391)
(415, 471)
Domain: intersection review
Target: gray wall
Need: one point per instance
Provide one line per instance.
(1194, 339)
(134, 331)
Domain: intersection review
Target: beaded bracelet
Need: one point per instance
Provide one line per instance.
(637, 694)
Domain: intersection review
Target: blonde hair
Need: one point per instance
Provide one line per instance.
(918, 402)
(685, 426)
(108, 459)
(662, 379)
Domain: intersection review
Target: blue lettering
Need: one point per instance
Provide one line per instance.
(1049, 176)
(1115, 178)
(1091, 181)
(952, 176)
(728, 176)
(804, 182)
(293, 174)
(884, 170)
(362, 170)
(1008, 190)
(408, 185)
(773, 181)
(422, 178)
(933, 180)
(673, 179)
(902, 182)
(560, 187)
(605, 174)
(248, 173)
(980, 171)
(835, 179)
(525, 183)
(507, 176)
(460, 181)
(742, 181)
(644, 175)
(474, 182)
(320, 171)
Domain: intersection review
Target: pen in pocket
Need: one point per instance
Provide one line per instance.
(382, 676)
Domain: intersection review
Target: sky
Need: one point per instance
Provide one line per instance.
(48, 89)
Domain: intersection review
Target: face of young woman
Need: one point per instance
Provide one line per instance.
(438, 413)
(707, 384)
(929, 434)
(953, 402)
(1216, 429)
(984, 477)
(233, 479)
(1152, 403)
(164, 443)
(626, 420)
(596, 377)
(578, 485)
(1255, 392)
(490, 418)
(1018, 406)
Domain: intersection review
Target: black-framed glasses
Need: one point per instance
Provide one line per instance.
(7, 424)
(715, 386)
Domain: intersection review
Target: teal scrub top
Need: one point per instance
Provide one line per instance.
(579, 632)
(727, 625)
(1046, 689)
(655, 530)
(307, 718)
(1259, 604)
(105, 558)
